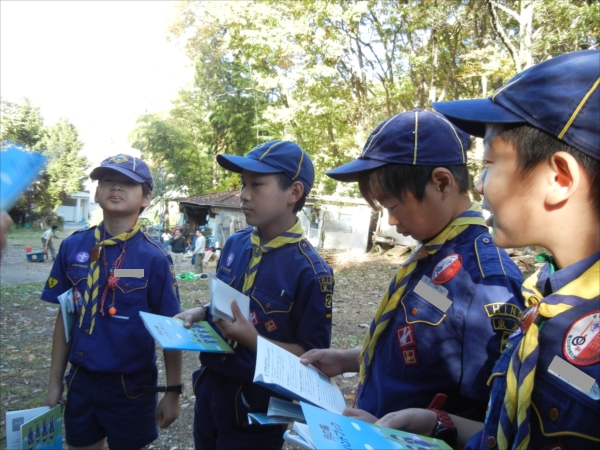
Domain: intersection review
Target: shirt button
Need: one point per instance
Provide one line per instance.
(486, 240)
(74, 277)
(126, 285)
(223, 358)
(491, 442)
(268, 305)
(304, 245)
(414, 311)
(553, 413)
(80, 354)
(87, 331)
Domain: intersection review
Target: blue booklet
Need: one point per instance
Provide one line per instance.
(172, 335)
(18, 168)
(329, 430)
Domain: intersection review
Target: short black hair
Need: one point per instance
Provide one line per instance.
(54, 227)
(146, 189)
(395, 180)
(285, 183)
(534, 146)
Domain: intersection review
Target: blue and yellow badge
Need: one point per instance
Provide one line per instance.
(52, 282)
(119, 159)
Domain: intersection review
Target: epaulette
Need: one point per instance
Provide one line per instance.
(488, 257)
(319, 265)
(247, 229)
(81, 231)
(155, 243)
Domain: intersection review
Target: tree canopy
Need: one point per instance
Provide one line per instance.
(64, 173)
(325, 73)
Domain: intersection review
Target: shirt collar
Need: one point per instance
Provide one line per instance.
(549, 282)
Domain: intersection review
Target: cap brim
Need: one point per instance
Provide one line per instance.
(96, 174)
(471, 116)
(350, 172)
(238, 164)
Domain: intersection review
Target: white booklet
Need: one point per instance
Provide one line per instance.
(282, 372)
(221, 296)
(69, 314)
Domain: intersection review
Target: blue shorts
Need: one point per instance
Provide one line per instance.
(110, 405)
(221, 414)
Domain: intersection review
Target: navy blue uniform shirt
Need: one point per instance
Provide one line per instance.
(290, 300)
(423, 351)
(119, 344)
(562, 417)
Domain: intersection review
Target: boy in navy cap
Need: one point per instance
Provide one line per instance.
(542, 149)
(290, 287)
(112, 383)
(446, 314)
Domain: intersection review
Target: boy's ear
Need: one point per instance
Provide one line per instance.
(442, 179)
(564, 178)
(296, 192)
(146, 200)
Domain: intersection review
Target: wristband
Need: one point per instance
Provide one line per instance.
(177, 388)
(445, 428)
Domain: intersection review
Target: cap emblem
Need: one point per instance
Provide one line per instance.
(119, 159)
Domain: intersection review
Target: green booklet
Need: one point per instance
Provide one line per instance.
(34, 429)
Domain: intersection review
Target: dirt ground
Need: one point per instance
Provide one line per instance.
(26, 325)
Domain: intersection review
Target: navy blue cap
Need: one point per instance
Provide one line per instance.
(416, 138)
(274, 157)
(560, 96)
(131, 167)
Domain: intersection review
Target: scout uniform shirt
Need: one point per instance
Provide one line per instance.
(119, 343)
(424, 351)
(290, 300)
(562, 416)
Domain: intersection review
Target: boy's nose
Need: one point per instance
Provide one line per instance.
(244, 195)
(479, 183)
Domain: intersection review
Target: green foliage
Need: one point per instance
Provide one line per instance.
(64, 173)
(325, 73)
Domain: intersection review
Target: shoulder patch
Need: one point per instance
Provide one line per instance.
(581, 345)
(488, 257)
(52, 282)
(319, 265)
(326, 284)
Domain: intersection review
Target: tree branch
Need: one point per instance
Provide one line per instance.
(505, 40)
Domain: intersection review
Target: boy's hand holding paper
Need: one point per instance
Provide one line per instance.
(221, 297)
(240, 329)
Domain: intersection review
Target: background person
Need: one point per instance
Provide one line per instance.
(47, 240)
(178, 246)
(199, 246)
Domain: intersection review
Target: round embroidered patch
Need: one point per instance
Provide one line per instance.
(446, 269)
(582, 342)
(82, 257)
(230, 259)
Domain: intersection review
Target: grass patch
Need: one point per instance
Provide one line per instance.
(26, 328)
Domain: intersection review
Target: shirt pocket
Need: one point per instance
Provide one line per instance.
(564, 412)
(225, 277)
(127, 285)
(271, 303)
(75, 276)
(419, 310)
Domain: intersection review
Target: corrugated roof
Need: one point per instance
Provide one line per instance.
(230, 199)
